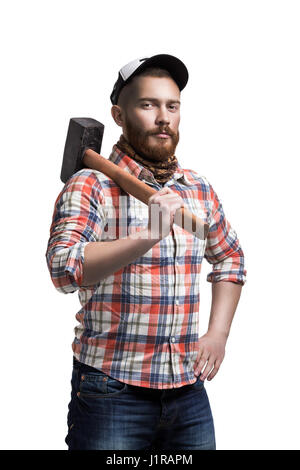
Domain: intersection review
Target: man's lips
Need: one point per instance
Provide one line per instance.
(162, 136)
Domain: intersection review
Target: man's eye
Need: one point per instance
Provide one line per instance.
(147, 104)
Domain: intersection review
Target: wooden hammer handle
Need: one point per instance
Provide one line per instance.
(132, 185)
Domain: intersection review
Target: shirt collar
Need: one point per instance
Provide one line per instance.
(181, 174)
(136, 169)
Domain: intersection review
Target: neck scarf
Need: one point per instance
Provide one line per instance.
(162, 170)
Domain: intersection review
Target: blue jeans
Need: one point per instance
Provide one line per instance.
(106, 414)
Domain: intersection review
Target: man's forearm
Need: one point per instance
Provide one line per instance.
(101, 259)
(225, 298)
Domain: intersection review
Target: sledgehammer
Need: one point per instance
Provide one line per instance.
(82, 148)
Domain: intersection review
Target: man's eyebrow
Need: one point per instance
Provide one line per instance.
(156, 100)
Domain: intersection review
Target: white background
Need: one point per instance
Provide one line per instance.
(239, 128)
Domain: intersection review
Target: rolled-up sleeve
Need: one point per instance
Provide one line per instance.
(78, 218)
(223, 249)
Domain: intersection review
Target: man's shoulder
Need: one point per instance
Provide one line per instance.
(87, 184)
(90, 177)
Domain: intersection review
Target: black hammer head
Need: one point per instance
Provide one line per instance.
(83, 134)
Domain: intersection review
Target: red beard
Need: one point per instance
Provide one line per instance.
(139, 141)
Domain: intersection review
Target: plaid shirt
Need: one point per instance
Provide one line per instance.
(140, 324)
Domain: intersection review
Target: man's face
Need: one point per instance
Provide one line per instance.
(152, 108)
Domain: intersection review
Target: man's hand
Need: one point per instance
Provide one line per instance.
(211, 351)
(161, 208)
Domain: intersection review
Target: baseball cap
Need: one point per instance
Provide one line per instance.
(174, 66)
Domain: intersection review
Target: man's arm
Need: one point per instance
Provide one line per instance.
(104, 258)
(75, 259)
(225, 253)
(225, 298)
(101, 259)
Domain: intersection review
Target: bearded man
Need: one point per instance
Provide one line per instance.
(139, 365)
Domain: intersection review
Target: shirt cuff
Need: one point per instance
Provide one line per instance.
(74, 264)
(230, 276)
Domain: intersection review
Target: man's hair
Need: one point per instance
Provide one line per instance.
(148, 72)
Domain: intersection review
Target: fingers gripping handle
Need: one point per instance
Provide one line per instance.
(132, 185)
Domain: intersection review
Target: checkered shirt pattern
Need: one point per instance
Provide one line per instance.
(140, 324)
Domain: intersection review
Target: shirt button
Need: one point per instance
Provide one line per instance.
(177, 302)
(173, 339)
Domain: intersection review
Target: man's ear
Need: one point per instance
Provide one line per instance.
(117, 114)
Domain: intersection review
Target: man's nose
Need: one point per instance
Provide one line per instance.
(162, 116)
